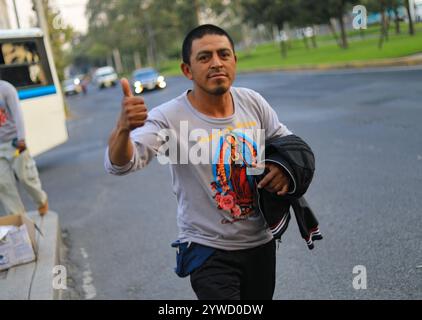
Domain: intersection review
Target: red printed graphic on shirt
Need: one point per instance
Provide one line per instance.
(3, 116)
(232, 186)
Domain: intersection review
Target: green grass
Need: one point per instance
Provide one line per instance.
(268, 56)
(371, 30)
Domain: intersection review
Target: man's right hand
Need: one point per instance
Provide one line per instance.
(134, 111)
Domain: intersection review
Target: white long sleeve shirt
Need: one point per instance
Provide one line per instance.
(216, 197)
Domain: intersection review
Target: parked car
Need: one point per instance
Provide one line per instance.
(72, 86)
(147, 79)
(105, 77)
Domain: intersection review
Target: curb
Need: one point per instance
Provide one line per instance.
(33, 281)
(380, 63)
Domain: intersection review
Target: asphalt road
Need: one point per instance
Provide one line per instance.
(365, 129)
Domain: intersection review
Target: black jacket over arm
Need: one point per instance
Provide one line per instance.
(297, 159)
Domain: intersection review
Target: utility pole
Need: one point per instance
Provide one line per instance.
(42, 21)
(16, 14)
(117, 60)
(43, 25)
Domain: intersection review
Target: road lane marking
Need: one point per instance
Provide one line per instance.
(87, 281)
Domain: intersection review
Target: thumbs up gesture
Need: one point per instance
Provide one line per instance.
(134, 111)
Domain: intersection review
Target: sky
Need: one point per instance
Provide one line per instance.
(72, 12)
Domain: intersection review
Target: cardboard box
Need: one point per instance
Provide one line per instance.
(18, 246)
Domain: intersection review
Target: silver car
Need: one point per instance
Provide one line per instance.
(71, 86)
(147, 79)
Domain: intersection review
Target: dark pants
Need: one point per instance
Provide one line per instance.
(237, 275)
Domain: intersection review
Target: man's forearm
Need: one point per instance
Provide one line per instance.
(133, 115)
(120, 147)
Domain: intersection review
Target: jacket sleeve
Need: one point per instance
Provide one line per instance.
(297, 158)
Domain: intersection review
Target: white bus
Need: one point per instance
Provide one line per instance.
(27, 63)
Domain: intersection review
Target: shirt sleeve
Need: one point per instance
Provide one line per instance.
(273, 127)
(146, 142)
(12, 102)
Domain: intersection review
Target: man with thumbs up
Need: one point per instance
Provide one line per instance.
(133, 115)
(224, 243)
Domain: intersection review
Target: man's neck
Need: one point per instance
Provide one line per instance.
(216, 106)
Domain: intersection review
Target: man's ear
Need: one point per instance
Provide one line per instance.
(235, 58)
(186, 70)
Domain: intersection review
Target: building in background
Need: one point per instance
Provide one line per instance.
(23, 17)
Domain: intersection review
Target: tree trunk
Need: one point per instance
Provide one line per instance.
(247, 39)
(387, 27)
(314, 44)
(137, 60)
(283, 39)
(283, 46)
(397, 19)
(286, 27)
(384, 26)
(382, 31)
(344, 43)
(333, 31)
(411, 28)
(305, 40)
(151, 48)
(313, 38)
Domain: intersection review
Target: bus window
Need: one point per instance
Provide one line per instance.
(21, 63)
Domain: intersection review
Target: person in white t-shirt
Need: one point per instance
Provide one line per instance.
(229, 250)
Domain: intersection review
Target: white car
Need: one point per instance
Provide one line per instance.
(105, 77)
(72, 86)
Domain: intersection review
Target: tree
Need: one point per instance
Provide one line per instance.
(409, 15)
(270, 13)
(143, 30)
(314, 12)
(384, 7)
(384, 23)
(394, 5)
(338, 10)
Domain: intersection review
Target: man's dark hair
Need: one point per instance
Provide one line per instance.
(198, 33)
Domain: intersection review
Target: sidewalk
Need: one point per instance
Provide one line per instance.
(33, 281)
